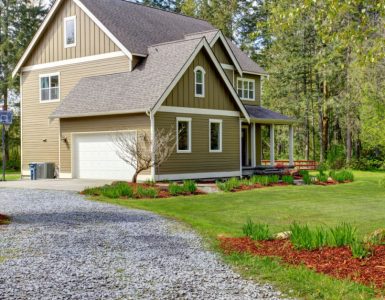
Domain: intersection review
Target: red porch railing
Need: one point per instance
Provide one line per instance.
(298, 164)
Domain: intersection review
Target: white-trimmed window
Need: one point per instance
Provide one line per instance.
(200, 74)
(183, 127)
(246, 89)
(70, 32)
(49, 87)
(215, 135)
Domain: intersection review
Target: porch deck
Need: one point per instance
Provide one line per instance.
(279, 168)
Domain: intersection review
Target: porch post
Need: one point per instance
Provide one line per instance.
(291, 145)
(272, 145)
(253, 146)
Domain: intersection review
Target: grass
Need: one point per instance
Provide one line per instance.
(11, 175)
(360, 204)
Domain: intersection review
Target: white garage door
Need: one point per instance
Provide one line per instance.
(95, 158)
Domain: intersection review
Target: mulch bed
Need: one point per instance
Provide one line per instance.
(336, 262)
(4, 220)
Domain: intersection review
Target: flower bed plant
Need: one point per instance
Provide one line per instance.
(148, 190)
(256, 181)
(333, 251)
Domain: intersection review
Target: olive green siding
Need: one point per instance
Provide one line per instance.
(257, 79)
(230, 75)
(68, 127)
(40, 135)
(90, 39)
(217, 95)
(200, 160)
(221, 53)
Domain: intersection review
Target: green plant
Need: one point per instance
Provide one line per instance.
(150, 182)
(307, 179)
(257, 232)
(288, 179)
(110, 192)
(123, 189)
(262, 180)
(304, 173)
(273, 179)
(343, 235)
(301, 236)
(342, 176)
(175, 189)
(360, 250)
(92, 192)
(190, 186)
(322, 177)
(143, 192)
(229, 185)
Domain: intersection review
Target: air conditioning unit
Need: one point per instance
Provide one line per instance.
(45, 170)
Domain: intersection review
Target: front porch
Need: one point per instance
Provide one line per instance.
(252, 156)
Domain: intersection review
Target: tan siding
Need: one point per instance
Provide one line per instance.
(221, 53)
(217, 95)
(90, 40)
(200, 159)
(97, 124)
(257, 79)
(36, 123)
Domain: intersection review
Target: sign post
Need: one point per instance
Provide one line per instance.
(5, 121)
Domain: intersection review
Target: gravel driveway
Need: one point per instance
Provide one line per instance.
(61, 246)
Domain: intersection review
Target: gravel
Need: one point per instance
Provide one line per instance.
(61, 246)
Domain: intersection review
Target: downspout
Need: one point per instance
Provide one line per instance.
(152, 133)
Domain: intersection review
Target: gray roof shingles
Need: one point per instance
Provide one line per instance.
(260, 113)
(124, 92)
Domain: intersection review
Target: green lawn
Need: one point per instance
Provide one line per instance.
(361, 203)
(11, 175)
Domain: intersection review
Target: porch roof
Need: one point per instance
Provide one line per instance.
(262, 115)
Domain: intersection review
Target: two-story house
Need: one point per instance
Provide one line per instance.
(97, 67)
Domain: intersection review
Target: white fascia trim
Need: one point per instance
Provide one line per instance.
(110, 113)
(103, 28)
(199, 175)
(73, 61)
(199, 111)
(36, 37)
(206, 45)
(227, 67)
(220, 35)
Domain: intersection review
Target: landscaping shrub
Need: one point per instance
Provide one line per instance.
(123, 189)
(190, 186)
(301, 237)
(342, 176)
(142, 192)
(322, 177)
(304, 173)
(175, 189)
(288, 179)
(273, 179)
(257, 232)
(360, 250)
(110, 192)
(150, 182)
(343, 235)
(262, 180)
(92, 192)
(307, 179)
(229, 185)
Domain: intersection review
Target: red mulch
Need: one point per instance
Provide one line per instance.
(4, 220)
(336, 262)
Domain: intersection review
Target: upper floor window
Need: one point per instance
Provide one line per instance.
(183, 126)
(199, 82)
(70, 32)
(215, 135)
(49, 87)
(246, 89)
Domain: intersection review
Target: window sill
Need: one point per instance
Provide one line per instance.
(215, 151)
(69, 46)
(49, 101)
(199, 96)
(183, 151)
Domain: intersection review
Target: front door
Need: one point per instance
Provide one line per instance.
(245, 146)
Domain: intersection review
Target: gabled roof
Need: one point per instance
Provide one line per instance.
(142, 90)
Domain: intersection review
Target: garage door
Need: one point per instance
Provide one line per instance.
(95, 158)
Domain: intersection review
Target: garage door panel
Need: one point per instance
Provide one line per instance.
(95, 158)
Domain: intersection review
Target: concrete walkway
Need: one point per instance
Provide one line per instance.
(74, 185)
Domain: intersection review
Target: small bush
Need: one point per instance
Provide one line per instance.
(273, 179)
(307, 179)
(257, 232)
(92, 192)
(262, 180)
(229, 185)
(342, 176)
(360, 250)
(123, 189)
(175, 189)
(190, 186)
(110, 192)
(150, 182)
(301, 237)
(343, 235)
(304, 173)
(288, 179)
(322, 177)
(142, 192)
